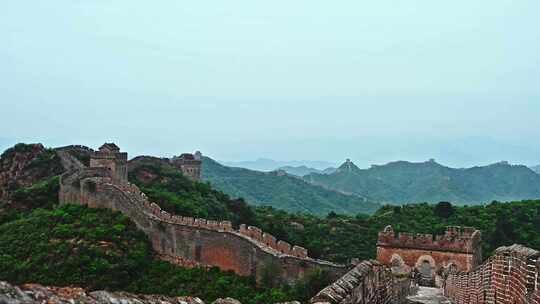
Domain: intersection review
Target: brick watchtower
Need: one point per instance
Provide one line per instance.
(458, 249)
(189, 164)
(110, 157)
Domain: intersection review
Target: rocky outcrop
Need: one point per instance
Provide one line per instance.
(23, 165)
(38, 294)
(226, 301)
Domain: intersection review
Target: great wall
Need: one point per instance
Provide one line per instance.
(189, 241)
(510, 276)
(451, 261)
(459, 249)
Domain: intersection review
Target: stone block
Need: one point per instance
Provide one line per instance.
(189, 221)
(255, 233)
(299, 252)
(226, 226)
(269, 240)
(284, 247)
(243, 230)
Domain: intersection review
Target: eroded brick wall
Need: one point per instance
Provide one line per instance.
(510, 276)
(368, 282)
(247, 251)
(458, 246)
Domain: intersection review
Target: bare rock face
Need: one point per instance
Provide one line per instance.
(23, 165)
(37, 294)
(226, 301)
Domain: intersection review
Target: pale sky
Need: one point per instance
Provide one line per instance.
(374, 81)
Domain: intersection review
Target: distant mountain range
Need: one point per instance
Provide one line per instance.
(536, 169)
(303, 170)
(266, 165)
(282, 191)
(405, 182)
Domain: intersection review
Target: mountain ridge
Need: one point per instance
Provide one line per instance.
(401, 182)
(267, 164)
(281, 190)
(301, 171)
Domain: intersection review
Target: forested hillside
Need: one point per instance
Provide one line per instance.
(73, 245)
(404, 182)
(281, 191)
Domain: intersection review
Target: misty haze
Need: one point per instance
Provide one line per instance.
(280, 152)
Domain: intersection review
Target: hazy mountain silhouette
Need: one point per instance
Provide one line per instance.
(405, 182)
(281, 190)
(304, 170)
(266, 164)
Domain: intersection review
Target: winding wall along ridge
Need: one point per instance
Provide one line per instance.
(247, 251)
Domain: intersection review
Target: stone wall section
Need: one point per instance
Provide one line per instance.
(510, 276)
(459, 247)
(455, 239)
(69, 162)
(368, 282)
(247, 251)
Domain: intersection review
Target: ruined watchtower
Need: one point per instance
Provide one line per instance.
(458, 249)
(110, 157)
(189, 164)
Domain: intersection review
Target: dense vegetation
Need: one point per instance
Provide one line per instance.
(341, 237)
(42, 194)
(280, 191)
(28, 179)
(100, 249)
(176, 194)
(404, 182)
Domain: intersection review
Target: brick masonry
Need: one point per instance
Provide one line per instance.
(510, 276)
(368, 282)
(247, 251)
(459, 248)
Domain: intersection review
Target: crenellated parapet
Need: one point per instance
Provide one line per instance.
(427, 255)
(455, 239)
(255, 235)
(511, 275)
(192, 241)
(368, 282)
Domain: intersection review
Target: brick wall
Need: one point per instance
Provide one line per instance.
(247, 251)
(458, 246)
(368, 282)
(510, 276)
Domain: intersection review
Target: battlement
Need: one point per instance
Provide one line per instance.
(368, 282)
(455, 239)
(110, 157)
(129, 199)
(255, 235)
(189, 164)
(511, 275)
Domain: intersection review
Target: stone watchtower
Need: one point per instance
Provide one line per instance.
(189, 164)
(458, 249)
(110, 157)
